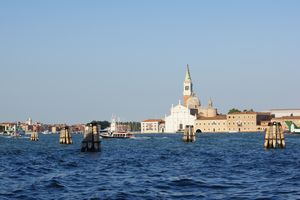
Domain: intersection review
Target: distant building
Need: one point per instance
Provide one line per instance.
(8, 128)
(29, 121)
(285, 112)
(78, 128)
(26, 127)
(153, 126)
(179, 118)
(186, 114)
(235, 122)
(54, 129)
(247, 121)
(216, 124)
(192, 102)
(2, 129)
(209, 111)
(207, 119)
(123, 127)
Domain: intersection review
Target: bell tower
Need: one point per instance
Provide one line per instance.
(187, 86)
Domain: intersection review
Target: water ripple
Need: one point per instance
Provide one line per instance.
(216, 166)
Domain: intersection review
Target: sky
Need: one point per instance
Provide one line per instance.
(75, 61)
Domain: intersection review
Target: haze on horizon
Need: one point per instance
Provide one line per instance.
(76, 61)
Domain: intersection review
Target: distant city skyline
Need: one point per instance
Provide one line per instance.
(75, 61)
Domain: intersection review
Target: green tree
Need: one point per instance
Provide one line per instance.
(103, 124)
(234, 110)
(250, 110)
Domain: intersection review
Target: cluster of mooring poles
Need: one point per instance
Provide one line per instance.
(34, 135)
(189, 134)
(274, 137)
(91, 139)
(65, 136)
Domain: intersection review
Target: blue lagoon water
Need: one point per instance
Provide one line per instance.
(216, 166)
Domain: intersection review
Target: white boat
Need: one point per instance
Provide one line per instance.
(115, 132)
(295, 129)
(122, 135)
(233, 131)
(46, 132)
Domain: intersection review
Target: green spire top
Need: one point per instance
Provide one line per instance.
(210, 103)
(188, 74)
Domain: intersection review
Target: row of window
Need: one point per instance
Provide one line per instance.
(214, 129)
(239, 117)
(229, 123)
(150, 126)
(240, 123)
(214, 123)
(219, 129)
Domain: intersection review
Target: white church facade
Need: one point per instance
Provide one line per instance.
(179, 118)
(190, 111)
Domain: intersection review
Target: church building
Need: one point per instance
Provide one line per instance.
(186, 114)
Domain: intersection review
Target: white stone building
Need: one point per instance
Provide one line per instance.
(186, 114)
(179, 118)
(153, 126)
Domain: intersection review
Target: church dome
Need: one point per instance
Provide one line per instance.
(193, 103)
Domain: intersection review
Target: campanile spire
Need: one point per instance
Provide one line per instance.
(188, 74)
(188, 86)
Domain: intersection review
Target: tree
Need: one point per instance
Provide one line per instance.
(234, 110)
(134, 126)
(103, 124)
(251, 110)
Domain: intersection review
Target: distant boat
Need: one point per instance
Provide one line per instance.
(46, 132)
(293, 128)
(18, 133)
(180, 131)
(115, 132)
(233, 132)
(120, 135)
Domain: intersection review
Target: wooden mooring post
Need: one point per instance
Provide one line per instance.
(274, 136)
(65, 136)
(91, 139)
(189, 134)
(34, 136)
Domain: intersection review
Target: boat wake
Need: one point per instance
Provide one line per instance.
(142, 138)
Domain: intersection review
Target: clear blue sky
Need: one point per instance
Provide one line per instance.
(75, 61)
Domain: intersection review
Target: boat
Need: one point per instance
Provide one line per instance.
(120, 135)
(18, 131)
(293, 128)
(46, 132)
(114, 131)
(233, 132)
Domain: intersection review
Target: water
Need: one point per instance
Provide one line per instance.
(217, 166)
